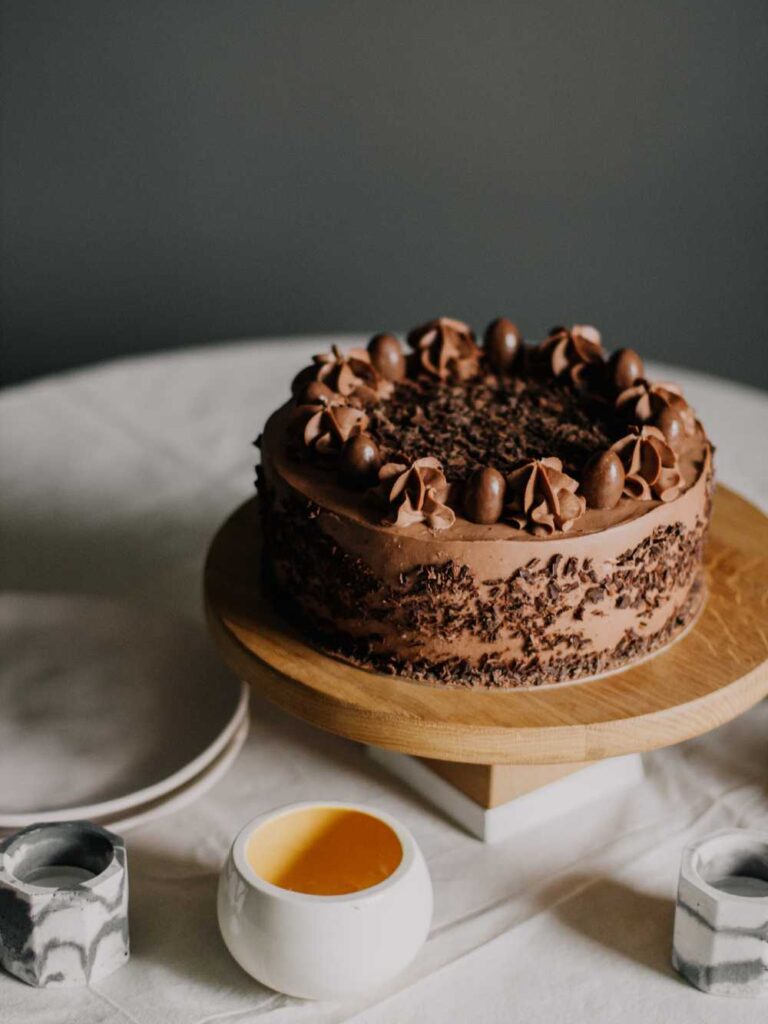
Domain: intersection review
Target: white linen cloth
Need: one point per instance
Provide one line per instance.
(113, 480)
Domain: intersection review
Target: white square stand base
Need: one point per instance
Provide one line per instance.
(535, 804)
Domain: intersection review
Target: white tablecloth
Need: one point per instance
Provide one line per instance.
(112, 481)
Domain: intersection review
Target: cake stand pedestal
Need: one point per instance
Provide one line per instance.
(502, 760)
(495, 801)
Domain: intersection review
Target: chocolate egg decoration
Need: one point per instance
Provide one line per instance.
(671, 424)
(360, 460)
(625, 367)
(387, 356)
(602, 480)
(502, 342)
(314, 393)
(484, 496)
(302, 378)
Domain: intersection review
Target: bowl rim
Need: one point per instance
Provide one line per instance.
(32, 834)
(695, 858)
(253, 880)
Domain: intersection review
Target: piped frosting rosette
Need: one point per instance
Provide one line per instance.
(650, 466)
(542, 498)
(415, 493)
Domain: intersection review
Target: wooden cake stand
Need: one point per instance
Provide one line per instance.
(497, 760)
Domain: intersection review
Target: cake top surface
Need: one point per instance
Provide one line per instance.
(527, 439)
(491, 421)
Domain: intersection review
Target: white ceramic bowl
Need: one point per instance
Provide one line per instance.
(324, 946)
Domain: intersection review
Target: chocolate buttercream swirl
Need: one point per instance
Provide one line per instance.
(324, 427)
(651, 467)
(415, 493)
(350, 374)
(541, 498)
(445, 348)
(644, 401)
(576, 352)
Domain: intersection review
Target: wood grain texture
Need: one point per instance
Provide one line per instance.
(491, 785)
(717, 670)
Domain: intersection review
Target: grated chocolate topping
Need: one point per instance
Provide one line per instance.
(492, 421)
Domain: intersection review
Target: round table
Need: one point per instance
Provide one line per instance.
(113, 480)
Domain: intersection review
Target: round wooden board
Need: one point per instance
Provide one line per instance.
(718, 669)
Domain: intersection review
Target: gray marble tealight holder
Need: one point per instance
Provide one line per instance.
(63, 903)
(720, 941)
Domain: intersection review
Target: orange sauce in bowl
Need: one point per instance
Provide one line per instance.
(324, 851)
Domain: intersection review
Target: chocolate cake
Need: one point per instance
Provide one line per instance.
(496, 515)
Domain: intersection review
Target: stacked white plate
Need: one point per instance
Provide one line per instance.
(108, 713)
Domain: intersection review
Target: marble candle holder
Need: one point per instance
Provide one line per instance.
(63, 904)
(720, 940)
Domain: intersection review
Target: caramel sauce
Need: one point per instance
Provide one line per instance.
(324, 851)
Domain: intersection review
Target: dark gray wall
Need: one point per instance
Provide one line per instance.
(177, 172)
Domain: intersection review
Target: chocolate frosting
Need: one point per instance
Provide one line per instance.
(557, 567)
(481, 604)
(445, 348)
(415, 493)
(349, 374)
(541, 498)
(645, 401)
(651, 467)
(571, 351)
(326, 426)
